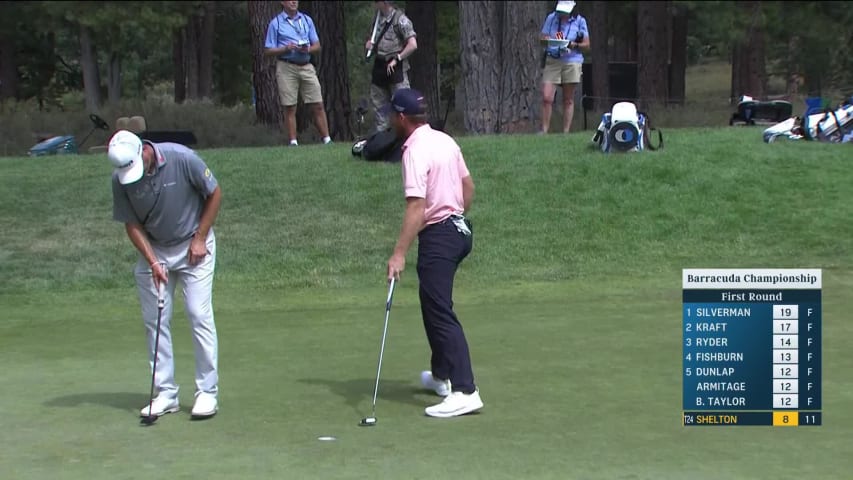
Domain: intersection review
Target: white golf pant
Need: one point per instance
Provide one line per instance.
(197, 284)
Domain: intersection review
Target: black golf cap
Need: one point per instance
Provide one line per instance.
(407, 101)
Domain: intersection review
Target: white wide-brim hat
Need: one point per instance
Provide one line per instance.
(125, 154)
(565, 7)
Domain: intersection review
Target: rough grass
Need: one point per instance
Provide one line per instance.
(21, 125)
(571, 302)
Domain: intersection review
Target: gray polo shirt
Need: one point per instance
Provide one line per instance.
(168, 203)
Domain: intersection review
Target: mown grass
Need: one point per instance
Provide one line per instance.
(571, 302)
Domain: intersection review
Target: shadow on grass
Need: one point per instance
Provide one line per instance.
(355, 392)
(130, 402)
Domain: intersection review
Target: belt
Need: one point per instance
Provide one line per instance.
(447, 221)
(301, 64)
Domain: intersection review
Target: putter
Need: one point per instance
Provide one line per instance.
(161, 303)
(371, 420)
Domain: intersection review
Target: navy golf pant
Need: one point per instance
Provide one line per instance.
(441, 248)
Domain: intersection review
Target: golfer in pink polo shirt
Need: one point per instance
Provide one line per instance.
(439, 190)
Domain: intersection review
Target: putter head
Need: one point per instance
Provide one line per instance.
(368, 422)
(148, 420)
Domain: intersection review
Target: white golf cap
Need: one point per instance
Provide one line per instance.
(565, 6)
(125, 154)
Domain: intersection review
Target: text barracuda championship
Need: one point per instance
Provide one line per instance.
(753, 278)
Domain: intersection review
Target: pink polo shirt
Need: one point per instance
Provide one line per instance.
(433, 169)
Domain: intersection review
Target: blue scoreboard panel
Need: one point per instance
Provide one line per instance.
(751, 347)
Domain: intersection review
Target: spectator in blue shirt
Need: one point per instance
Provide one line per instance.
(292, 39)
(563, 63)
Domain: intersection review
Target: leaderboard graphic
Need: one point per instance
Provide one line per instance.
(751, 347)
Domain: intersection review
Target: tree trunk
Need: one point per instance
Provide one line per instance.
(267, 106)
(180, 73)
(756, 58)
(45, 69)
(114, 79)
(333, 70)
(304, 117)
(520, 96)
(424, 62)
(8, 69)
(479, 27)
(207, 35)
(191, 56)
(736, 61)
(651, 53)
(792, 70)
(622, 20)
(8, 65)
(748, 58)
(791, 60)
(678, 60)
(91, 76)
(600, 67)
(814, 82)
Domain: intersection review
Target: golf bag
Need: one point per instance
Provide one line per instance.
(750, 111)
(380, 146)
(384, 146)
(624, 129)
(834, 126)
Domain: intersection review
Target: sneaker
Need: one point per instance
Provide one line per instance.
(455, 404)
(440, 387)
(161, 406)
(205, 405)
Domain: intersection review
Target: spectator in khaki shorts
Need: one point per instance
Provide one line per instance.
(390, 68)
(292, 38)
(562, 65)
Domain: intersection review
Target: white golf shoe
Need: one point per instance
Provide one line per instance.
(205, 405)
(161, 406)
(440, 387)
(455, 404)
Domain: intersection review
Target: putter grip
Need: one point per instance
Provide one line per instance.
(161, 294)
(390, 292)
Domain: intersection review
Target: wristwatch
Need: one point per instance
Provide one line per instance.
(399, 58)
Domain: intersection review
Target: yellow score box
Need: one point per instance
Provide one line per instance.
(786, 419)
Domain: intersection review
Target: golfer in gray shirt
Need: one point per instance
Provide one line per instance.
(168, 200)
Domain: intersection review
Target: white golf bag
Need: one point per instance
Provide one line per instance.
(834, 126)
(830, 126)
(623, 129)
